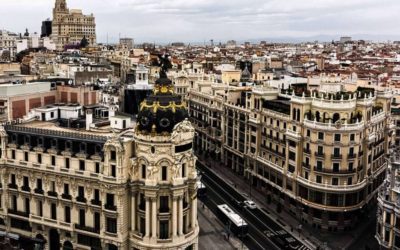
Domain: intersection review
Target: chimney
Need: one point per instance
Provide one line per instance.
(89, 118)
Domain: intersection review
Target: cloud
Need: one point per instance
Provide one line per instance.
(198, 20)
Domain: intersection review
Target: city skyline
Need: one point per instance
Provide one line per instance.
(254, 20)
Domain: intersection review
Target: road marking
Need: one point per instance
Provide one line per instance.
(281, 232)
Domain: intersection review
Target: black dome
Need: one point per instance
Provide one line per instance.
(162, 110)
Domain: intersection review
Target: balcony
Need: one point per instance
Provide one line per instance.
(52, 193)
(307, 166)
(111, 207)
(319, 154)
(87, 229)
(39, 191)
(336, 157)
(12, 186)
(66, 196)
(96, 202)
(26, 188)
(351, 156)
(19, 213)
(334, 171)
(81, 199)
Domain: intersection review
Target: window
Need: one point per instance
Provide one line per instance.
(320, 136)
(81, 165)
(53, 160)
(67, 214)
(350, 166)
(66, 162)
(13, 154)
(40, 208)
(335, 167)
(66, 188)
(27, 206)
(352, 137)
(81, 191)
(319, 165)
(143, 171)
(164, 204)
(113, 171)
(318, 179)
(13, 179)
(53, 211)
(337, 137)
(183, 170)
(292, 156)
(97, 170)
(320, 150)
(97, 221)
(113, 155)
(39, 158)
(306, 175)
(164, 173)
(96, 195)
(14, 203)
(26, 182)
(351, 151)
(111, 225)
(335, 181)
(336, 151)
(110, 199)
(82, 215)
(164, 226)
(349, 181)
(39, 184)
(26, 156)
(308, 133)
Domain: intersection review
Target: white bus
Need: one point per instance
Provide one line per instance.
(236, 224)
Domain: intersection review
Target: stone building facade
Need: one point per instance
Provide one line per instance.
(69, 27)
(96, 189)
(321, 156)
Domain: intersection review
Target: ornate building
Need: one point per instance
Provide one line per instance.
(321, 156)
(388, 214)
(69, 27)
(97, 189)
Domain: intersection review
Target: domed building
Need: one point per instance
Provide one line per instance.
(163, 190)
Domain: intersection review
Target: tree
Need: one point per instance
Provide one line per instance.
(84, 42)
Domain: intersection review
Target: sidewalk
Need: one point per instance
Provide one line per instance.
(325, 240)
(212, 234)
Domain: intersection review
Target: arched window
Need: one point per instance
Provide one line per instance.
(143, 171)
(294, 114)
(336, 117)
(298, 115)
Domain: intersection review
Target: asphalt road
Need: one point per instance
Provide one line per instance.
(264, 233)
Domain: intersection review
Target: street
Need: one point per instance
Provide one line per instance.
(264, 233)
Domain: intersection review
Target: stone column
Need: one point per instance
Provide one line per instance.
(147, 217)
(154, 217)
(180, 215)
(174, 216)
(133, 212)
(194, 213)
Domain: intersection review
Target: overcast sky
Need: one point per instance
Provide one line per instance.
(221, 20)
